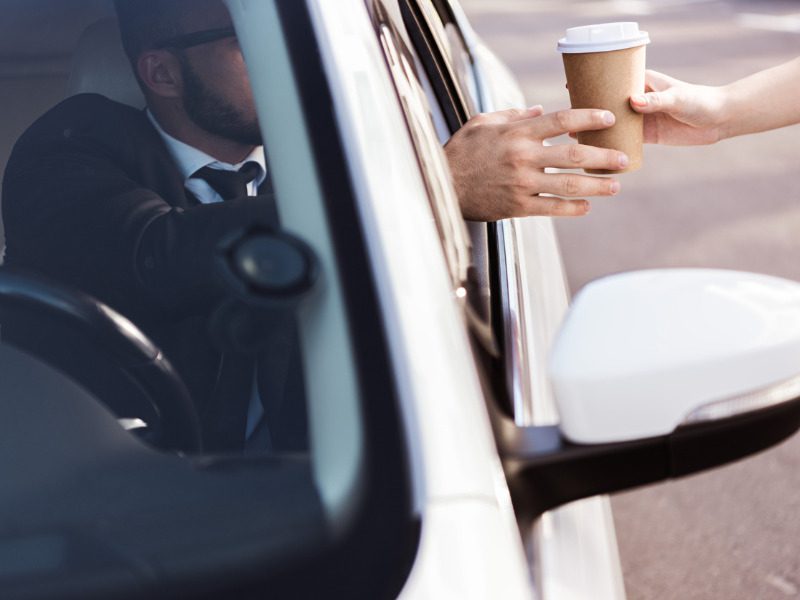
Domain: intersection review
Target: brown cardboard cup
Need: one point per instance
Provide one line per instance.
(606, 80)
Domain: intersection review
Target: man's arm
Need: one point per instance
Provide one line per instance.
(498, 162)
(73, 211)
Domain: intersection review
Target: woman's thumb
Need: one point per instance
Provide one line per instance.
(652, 102)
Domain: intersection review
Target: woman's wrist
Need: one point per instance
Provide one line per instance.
(725, 111)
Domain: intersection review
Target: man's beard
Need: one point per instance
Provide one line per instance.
(214, 114)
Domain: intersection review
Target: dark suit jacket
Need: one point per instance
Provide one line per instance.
(92, 198)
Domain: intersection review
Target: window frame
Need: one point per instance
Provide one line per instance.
(486, 322)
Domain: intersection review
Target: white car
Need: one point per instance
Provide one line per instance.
(460, 441)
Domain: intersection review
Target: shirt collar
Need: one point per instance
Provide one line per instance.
(189, 159)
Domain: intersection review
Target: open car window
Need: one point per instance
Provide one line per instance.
(420, 33)
(403, 68)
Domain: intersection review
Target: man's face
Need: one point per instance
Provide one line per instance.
(216, 87)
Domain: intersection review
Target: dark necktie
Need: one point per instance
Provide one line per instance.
(229, 184)
(279, 367)
(225, 419)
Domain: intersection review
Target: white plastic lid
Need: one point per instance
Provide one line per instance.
(603, 37)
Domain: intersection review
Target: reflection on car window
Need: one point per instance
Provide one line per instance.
(401, 62)
(449, 42)
(464, 71)
(441, 65)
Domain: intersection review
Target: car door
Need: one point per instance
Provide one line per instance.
(520, 269)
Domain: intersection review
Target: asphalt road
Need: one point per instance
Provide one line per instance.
(733, 533)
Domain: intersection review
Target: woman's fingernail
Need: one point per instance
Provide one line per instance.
(608, 117)
(614, 188)
(623, 160)
(639, 100)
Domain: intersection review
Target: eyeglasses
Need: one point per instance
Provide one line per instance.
(197, 38)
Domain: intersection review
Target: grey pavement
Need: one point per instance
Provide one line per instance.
(733, 533)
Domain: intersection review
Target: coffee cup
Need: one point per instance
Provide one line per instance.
(604, 65)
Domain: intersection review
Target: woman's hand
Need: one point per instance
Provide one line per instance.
(679, 113)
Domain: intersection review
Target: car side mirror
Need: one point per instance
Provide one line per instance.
(659, 374)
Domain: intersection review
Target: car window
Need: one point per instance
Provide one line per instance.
(450, 42)
(115, 366)
(403, 68)
(465, 243)
(431, 48)
(429, 42)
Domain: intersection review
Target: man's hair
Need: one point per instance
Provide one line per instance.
(144, 23)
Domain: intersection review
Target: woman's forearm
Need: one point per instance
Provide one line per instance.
(765, 100)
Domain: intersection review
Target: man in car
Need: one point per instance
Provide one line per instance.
(130, 206)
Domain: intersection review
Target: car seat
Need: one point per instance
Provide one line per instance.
(100, 66)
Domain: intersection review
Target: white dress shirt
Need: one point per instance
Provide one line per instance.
(189, 160)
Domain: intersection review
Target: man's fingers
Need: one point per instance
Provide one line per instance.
(512, 114)
(573, 185)
(566, 121)
(535, 111)
(555, 207)
(578, 156)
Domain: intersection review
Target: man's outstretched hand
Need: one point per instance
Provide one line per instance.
(498, 161)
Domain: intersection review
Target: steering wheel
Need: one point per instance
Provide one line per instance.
(136, 376)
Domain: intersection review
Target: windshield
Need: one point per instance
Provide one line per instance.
(186, 342)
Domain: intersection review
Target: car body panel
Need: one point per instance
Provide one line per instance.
(460, 555)
(461, 492)
(573, 548)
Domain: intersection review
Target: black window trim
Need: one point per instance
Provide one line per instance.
(439, 73)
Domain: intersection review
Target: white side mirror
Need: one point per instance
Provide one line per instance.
(643, 353)
(659, 374)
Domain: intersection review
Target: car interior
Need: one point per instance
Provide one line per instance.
(96, 502)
